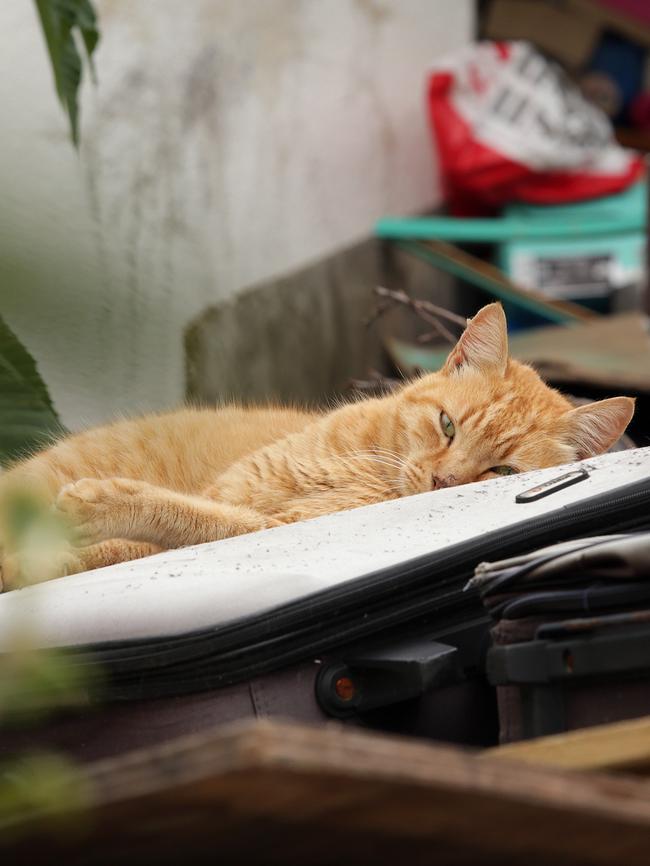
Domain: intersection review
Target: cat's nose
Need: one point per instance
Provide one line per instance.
(437, 482)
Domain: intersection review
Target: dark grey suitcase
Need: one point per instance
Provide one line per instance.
(571, 634)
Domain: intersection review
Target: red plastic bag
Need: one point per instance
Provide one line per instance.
(510, 126)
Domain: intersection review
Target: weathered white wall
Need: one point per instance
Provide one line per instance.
(228, 141)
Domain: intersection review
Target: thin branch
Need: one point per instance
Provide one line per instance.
(376, 385)
(401, 297)
(425, 310)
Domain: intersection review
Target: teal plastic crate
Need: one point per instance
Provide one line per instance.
(603, 272)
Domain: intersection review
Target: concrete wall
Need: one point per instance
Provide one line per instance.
(229, 142)
(304, 337)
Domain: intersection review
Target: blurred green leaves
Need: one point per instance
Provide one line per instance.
(27, 417)
(41, 783)
(37, 682)
(36, 539)
(34, 683)
(69, 26)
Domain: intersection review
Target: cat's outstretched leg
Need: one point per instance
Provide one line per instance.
(102, 509)
(111, 552)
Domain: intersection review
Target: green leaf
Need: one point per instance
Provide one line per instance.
(42, 783)
(27, 417)
(60, 19)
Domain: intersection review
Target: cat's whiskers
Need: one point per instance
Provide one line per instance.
(387, 459)
(374, 458)
(351, 462)
(384, 452)
(376, 450)
(354, 462)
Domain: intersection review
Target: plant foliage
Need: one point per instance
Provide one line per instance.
(68, 25)
(27, 416)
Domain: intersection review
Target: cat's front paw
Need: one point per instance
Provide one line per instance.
(98, 508)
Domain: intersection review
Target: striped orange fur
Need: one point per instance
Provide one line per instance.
(195, 475)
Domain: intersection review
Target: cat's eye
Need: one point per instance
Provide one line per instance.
(447, 425)
(503, 470)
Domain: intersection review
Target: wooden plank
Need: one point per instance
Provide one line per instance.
(613, 352)
(281, 793)
(609, 352)
(621, 746)
(491, 279)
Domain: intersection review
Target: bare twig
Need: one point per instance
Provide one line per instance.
(375, 386)
(402, 297)
(378, 312)
(428, 312)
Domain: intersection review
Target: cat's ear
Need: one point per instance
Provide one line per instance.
(595, 427)
(483, 344)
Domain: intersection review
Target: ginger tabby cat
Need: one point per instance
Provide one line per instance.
(138, 486)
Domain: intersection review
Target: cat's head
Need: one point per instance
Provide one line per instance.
(484, 414)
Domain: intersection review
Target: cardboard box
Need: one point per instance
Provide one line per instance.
(567, 30)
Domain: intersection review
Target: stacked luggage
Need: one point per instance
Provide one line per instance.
(366, 615)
